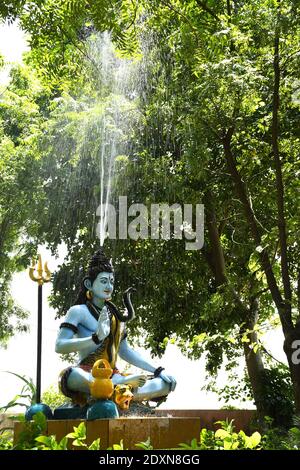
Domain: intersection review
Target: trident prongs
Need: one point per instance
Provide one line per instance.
(36, 272)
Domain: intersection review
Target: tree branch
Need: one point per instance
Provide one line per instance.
(240, 187)
(208, 10)
(271, 355)
(4, 91)
(288, 57)
(186, 19)
(281, 222)
(218, 260)
(228, 8)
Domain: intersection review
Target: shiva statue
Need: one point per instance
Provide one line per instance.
(95, 329)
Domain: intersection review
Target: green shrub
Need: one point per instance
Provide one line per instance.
(78, 435)
(277, 395)
(224, 438)
(53, 397)
(6, 440)
(276, 438)
(31, 430)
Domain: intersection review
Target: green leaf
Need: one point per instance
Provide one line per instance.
(221, 434)
(43, 439)
(255, 439)
(78, 443)
(118, 446)
(235, 445)
(95, 445)
(145, 445)
(227, 444)
(63, 444)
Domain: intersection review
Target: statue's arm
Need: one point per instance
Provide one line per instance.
(133, 357)
(65, 342)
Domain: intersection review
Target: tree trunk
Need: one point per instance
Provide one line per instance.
(215, 259)
(254, 363)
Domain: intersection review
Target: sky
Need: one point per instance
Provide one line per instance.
(20, 355)
(12, 45)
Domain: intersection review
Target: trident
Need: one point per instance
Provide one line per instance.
(36, 273)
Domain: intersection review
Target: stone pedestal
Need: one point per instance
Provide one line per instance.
(166, 428)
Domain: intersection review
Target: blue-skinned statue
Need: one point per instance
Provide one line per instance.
(95, 329)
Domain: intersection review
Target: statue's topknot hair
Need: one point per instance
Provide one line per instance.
(100, 262)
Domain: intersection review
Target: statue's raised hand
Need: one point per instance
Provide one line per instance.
(137, 380)
(103, 327)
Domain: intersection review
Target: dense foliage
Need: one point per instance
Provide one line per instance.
(21, 116)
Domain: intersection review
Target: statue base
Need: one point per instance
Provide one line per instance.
(100, 409)
(69, 411)
(38, 408)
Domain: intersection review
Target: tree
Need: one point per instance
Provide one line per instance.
(9, 9)
(20, 120)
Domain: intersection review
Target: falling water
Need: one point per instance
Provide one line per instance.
(87, 132)
(115, 77)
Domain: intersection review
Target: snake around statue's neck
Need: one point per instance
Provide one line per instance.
(129, 315)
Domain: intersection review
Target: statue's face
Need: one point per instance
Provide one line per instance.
(103, 286)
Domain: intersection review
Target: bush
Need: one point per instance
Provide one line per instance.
(224, 438)
(277, 395)
(53, 397)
